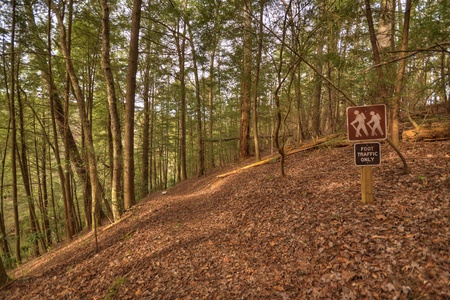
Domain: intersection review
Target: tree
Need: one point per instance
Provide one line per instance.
(257, 79)
(129, 188)
(146, 154)
(198, 103)
(24, 170)
(280, 81)
(246, 83)
(399, 81)
(12, 111)
(60, 123)
(180, 42)
(116, 186)
(82, 112)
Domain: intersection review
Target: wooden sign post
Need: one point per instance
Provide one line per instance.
(366, 185)
(367, 123)
(366, 156)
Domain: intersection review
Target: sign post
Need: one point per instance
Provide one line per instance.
(366, 185)
(367, 123)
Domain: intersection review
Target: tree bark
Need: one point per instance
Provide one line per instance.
(145, 178)
(129, 188)
(246, 81)
(96, 190)
(395, 132)
(180, 42)
(59, 115)
(3, 237)
(198, 106)
(376, 52)
(12, 111)
(24, 170)
(256, 86)
(116, 186)
(317, 96)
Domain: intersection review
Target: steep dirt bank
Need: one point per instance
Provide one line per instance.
(256, 235)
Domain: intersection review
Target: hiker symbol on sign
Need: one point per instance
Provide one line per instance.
(366, 122)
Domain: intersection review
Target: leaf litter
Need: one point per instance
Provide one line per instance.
(256, 235)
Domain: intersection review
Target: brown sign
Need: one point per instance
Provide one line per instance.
(366, 122)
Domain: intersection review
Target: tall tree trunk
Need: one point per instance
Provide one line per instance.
(198, 105)
(444, 81)
(129, 188)
(52, 197)
(395, 132)
(96, 189)
(300, 109)
(181, 50)
(211, 104)
(145, 179)
(256, 89)
(67, 178)
(280, 81)
(4, 241)
(376, 53)
(44, 192)
(152, 163)
(12, 111)
(116, 186)
(317, 97)
(246, 84)
(24, 170)
(67, 196)
(60, 116)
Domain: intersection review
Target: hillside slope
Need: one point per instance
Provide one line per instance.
(254, 235)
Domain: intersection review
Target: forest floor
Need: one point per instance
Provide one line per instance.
(256, 235)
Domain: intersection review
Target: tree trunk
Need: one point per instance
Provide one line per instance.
(129, 189)
(96, 190)
(66, 178)
(60, 115)
(145, 179)
(246, 81)
(376, 53)
(255, 91)
(444, 81)
(211, 104)
(24, 170)
(3, 237)
(280, 146)
(317, 96)
(395, 133)
(116, 186)
(12, 114)
(198, 106)
(181, 50)
(438, 131)
(44, 194)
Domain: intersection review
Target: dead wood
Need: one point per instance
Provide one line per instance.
(436, 132)
(330, 140)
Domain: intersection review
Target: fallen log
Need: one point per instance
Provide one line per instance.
(435, 132)
(328, 140)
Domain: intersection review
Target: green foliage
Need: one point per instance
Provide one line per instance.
(114, 288)
(8, 261)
